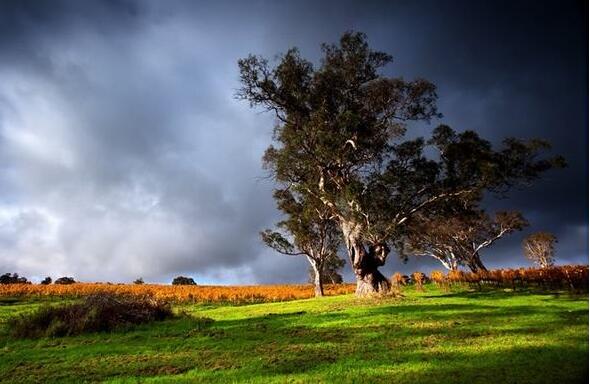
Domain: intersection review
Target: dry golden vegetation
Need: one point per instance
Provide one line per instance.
(179, 293)
(572, 277)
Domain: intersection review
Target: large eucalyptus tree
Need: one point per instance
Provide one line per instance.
(339, 140)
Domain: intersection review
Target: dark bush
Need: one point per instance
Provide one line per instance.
(46, 281)
(98, 313)
(65, 280)
(139, 281)
(181, 280)
(7, 278)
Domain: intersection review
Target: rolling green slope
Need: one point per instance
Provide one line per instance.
(425, 337)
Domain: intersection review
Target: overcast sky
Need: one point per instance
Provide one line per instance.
(123, 152)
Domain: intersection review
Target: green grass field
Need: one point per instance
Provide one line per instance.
(424, 337)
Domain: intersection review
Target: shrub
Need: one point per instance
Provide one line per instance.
(456, 276)
(97, 313)
(181, 280)
(46, 281)
(139, 281)
(418, 278)
(439, 278)
(398, 279)
(65, 280)
(7, 278)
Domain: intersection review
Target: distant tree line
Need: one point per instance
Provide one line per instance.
(14, 278)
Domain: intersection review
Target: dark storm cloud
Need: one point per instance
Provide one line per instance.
(124, 153)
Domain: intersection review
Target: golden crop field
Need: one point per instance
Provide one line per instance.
(179, 293)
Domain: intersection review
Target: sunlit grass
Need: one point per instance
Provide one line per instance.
(425, 337)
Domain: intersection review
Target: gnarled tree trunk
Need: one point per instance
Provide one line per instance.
(365, 262)
(475, 263)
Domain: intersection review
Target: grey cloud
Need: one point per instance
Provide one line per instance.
(120, 146)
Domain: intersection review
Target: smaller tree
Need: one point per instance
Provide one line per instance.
(539, 247)
(457, 238)
(182, 280)
(139, 281)
(65, 280)
(331, 272)
(307, 231)
(46, 281)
